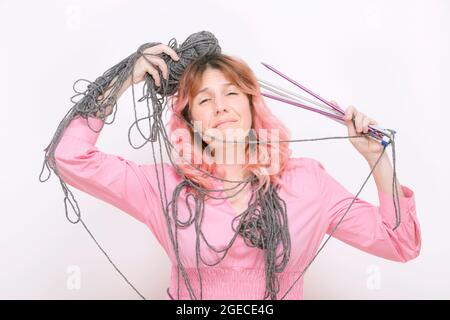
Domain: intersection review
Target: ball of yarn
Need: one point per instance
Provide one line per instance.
(197, 45)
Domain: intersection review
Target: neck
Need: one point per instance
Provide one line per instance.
(230, 161)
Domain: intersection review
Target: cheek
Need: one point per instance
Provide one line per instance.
(246, 115)
(201, 114)
(196, 114)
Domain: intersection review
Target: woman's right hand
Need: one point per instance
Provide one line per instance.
(150, 62)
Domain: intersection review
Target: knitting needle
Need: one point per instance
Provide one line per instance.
(291, 95)
(297, 102)
(336, 108)
(382, 135)
(338, 118)
(330, 115)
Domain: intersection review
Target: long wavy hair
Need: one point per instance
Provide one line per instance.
(238, 73)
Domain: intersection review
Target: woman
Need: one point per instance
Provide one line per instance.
(219, 94)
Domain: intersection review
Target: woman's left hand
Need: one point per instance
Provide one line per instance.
(369, 148)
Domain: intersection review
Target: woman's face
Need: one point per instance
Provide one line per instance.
(220, 105)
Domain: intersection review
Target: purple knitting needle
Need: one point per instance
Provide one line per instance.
(337, 108)
(331, 115)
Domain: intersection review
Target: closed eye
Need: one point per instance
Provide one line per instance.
(230, 93)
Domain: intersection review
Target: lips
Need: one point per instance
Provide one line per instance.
(224, 121)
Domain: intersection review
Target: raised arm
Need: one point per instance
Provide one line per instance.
(131, 187)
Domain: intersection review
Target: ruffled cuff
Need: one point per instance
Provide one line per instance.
(87, 129)
(407, 206)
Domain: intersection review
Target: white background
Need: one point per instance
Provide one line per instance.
(390, 59)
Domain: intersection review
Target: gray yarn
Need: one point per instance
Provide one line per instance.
(263, 225)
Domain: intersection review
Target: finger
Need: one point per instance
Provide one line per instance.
(163, 48)
(366, 122)
(348, 115)
(351, 128)
(359, 121)
(350, 112)
(169, 51)
(334, 103)
(372, 122)
(161, 64)
(153, 72)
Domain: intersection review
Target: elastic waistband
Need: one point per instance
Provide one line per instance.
(232, 283)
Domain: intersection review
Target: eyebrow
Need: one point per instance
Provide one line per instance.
(206, 88)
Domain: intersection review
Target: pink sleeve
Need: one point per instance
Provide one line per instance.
(368, 227)
(122, 183)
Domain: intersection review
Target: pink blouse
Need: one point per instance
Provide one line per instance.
(315, 207)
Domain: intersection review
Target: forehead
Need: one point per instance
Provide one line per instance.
(213, 78)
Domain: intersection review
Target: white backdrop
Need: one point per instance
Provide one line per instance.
(390, 59)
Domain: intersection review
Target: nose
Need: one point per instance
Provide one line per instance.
(219, 106)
